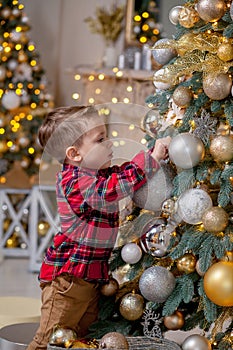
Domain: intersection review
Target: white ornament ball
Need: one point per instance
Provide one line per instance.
(10, 100)
(174, 14)
(12, 64)
(160, 81)
(186, 150)
(164, 54)
(131, 253)
(196, 342)
(156, 190)
(191, 205)
(156, 284)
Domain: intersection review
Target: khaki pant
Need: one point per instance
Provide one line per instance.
(68, 302)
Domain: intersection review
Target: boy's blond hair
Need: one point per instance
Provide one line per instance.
(64, 127)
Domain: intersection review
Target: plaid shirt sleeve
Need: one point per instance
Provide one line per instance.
(110, 186)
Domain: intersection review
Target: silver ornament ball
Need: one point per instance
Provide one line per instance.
(157, 189)
(186, 150)
(196, 342)
(231, 11)
(174, 14)
(191, 205)
(156, 284)
(153, 242)
(152, 122)
(163, 54)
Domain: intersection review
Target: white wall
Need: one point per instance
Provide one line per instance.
(63, 38)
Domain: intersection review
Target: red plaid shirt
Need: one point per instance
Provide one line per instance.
(88, 205)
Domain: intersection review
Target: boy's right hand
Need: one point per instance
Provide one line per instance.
(160, 150)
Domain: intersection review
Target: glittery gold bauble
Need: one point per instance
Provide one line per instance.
(85, 344)
(114, 340)
(221, 148)
(228, 256)
(110, 288)
(174, 321)
(217, 86)
(186, 263)
(132, 306)
(211, 10)
(43, 227)
(188, 17)
(62, 337)
(182, 96)
(218, 283)
(225, 51)
(215, 219)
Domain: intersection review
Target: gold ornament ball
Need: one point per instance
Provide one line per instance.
(228, 256)
(217, 86)
(132, 306)
(225, 52)
(221, 148)
(62, 337)
(182, 96)
(186, 263)
(110, 288)
(215, 219)
(114, 340)
(188, 17)
(3, 146)
(43, 227)
(174, 321)
(211, 10)
(218, 283)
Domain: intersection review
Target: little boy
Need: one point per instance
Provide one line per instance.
(88, 192)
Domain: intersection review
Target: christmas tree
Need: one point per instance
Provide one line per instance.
(173, 268)
(23, 95)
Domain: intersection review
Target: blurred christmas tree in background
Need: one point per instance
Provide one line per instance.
(24, 99)
(174, 260)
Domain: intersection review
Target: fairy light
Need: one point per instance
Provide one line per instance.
(98, 91)
(9, 144)
(91, 78)
(75, 96)
(114, 100)
(2, 131)
(137, 18)
(91, 100)
(33, 63)
(33, 105)
(115, 69)
(29, 117)
(145, 15)
(31, 150)
(114, 133)
(77, 77)
(37, 92)
(143, 39)
(18, 91)
(101, 76)
(31, 47)
(116, 143)
(126, 100)
(18, 47)
(18, 29)
(143, 141)
(6, 35)
(129, 88)
(145, 27)
(119, 74)
(122, 142)
(131, 127)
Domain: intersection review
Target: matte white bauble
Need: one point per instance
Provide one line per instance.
(131, 253)
(192, 204)
(10, 100)
(186, 150)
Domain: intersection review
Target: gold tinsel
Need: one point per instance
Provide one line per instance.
(225, 315)
(196, 61)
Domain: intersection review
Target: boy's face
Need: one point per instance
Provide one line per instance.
(96, 150)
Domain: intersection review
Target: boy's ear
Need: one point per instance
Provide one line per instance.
(73, 154)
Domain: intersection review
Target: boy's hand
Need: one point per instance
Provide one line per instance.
(160, 150)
